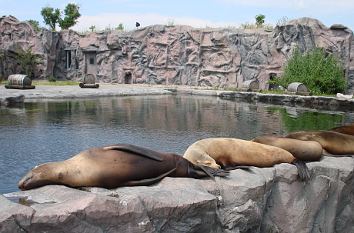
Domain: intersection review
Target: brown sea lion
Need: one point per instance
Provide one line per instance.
(232, 152)
(114, 166)
(302, 150)
(333, 142)
(345, 129)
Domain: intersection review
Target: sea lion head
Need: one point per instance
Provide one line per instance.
(186, 168)
(199, 158)
(37, 177)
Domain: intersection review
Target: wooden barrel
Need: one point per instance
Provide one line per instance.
(250, 85)
(19, 81)
(89, 82)
(298, 88)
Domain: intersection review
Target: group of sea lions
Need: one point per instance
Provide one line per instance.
(129, 165)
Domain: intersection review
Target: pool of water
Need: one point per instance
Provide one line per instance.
(44, 131)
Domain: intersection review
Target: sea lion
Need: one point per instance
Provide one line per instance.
(302, 150)
(333, 142)
(114, 166)
(232, 152)
(345, 129)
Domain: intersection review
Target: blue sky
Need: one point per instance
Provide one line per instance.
(197, 13)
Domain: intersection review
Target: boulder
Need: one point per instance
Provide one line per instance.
(256, 200)
(9, 101)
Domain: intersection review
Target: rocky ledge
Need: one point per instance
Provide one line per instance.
(259, 200)
(11, 100)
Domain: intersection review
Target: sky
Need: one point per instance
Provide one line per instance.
(197, 13)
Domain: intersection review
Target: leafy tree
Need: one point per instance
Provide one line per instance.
(34, 24)
(320, 72)
(260, 20)
(51, 16)
(71, 13)
(120, 27)
(27, 61)
(92, 28)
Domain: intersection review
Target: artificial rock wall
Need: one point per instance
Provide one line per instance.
(179, 55)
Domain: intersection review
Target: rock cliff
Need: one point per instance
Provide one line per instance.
(179, 55)
(260, 200)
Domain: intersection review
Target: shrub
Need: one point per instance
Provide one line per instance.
(120, 27)
(27, 61)
(51, 78)
(260, 20)
(321, 73)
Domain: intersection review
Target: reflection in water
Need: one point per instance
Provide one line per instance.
(55, 130)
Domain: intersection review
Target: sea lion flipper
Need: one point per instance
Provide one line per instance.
(148, 181)
(247, 168)
(154, 155)
(212, 172)
(302, 169)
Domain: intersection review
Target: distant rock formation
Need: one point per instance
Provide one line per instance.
(263, 200)
(179, 55)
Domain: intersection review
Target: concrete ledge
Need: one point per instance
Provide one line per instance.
(105, 90)
(263, 200)
(319, 102)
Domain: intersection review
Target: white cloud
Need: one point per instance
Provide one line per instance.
(299, 4)
(112, 20)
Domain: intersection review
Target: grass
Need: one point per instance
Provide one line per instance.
(56, 83)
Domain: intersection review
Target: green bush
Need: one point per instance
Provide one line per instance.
(27, 61)
(260, 20)
(321, 73)
(35, 25)
(51, 78)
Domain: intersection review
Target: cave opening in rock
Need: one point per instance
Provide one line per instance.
(128, 78)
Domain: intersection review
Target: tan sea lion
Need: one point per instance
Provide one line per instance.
(232, 152)
(345, 129)
(302, 150)
(114, 166)
(333, 142)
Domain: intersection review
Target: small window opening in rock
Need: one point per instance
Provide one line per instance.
(92, 61)
(76, 64)
(67, 59)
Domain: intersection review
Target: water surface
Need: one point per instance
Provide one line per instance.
(40, 132)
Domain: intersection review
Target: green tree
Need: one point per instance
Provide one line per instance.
(34, 24)
(120, 27)
(71, 14)
(322, 73)
(260, 20)
(51, 17)
(27, 61)
(92, 28)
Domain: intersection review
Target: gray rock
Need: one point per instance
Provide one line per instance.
(14, 100)
(255, 200)
(14, 217)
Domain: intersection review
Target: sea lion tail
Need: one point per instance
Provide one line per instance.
(302, 169)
